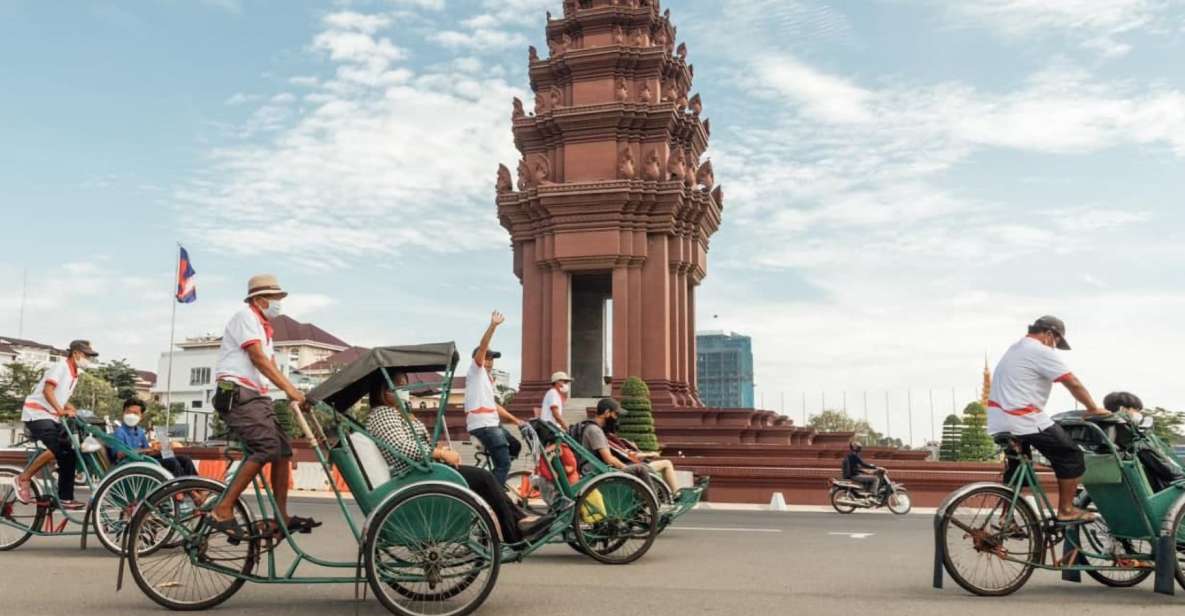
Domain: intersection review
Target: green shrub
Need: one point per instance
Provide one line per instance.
(637, 424)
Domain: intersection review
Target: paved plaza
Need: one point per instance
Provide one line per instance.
(712, 562)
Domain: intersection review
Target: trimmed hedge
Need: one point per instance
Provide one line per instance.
(637, 424)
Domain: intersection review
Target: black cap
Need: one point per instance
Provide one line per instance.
(1055, 325)
(84, 347)
(490, 353)
(609, 404)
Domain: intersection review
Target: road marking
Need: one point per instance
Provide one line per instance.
(728, 530)
(854, 535)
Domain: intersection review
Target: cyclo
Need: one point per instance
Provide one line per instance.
(115, 491)
(990, 538)
(428, 544)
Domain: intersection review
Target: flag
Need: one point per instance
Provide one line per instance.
(186, 287)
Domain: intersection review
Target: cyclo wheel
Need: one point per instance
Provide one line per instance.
(616, 519)
(197, 568)
(662, 492)
(990, 546)
(13, 512)
(115, 502)
(521, 492)
(899, 502)
(838, 506)
(1097, 537)
(1174, 526)
(433, 549)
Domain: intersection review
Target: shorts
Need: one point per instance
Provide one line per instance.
(252, 419)
(53, 436)
(1055, 444)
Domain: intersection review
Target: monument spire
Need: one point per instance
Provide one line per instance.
(615, 204)
(987, 383)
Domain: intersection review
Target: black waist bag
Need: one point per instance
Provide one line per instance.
(224, 397)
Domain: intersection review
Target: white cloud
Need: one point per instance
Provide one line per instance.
(480, 39)
(349, 20)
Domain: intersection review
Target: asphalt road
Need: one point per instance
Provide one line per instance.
(712, 562)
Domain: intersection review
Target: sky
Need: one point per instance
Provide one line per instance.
(908, 182)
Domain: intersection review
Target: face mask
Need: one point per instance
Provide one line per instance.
(274, 309)
(403, 396)
(131, 420)
(84, 362)
(563, 388)
(611, 424)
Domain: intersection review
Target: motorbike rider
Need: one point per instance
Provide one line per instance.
(854, 465)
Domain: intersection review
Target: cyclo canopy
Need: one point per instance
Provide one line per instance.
(354, 381)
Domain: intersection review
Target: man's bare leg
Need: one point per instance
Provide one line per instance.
(38, 463)
(1066, 489)
(280, 472)
(247, 472)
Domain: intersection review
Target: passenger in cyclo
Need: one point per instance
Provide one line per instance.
(854, 467)
(628, 452)
(592, 436)
(552, 408)
(42, 414)
(245, 359)
(483, 414)
(131, 434)
(405, 433)
(1160, 468)
(1021, 386)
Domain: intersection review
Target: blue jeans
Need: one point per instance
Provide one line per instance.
(495, 443)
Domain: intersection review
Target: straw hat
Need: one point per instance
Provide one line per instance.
(264, 284)
(561, 376)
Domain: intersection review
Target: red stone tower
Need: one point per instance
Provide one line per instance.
(613, 205)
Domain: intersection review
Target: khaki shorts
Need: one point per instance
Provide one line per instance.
(252, 418)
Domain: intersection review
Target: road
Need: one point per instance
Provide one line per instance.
(712, 562)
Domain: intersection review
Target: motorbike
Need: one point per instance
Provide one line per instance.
(848, 495)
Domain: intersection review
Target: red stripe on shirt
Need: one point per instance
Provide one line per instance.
(249, 343)
(1063, 378)
(484, 409)
(1028, 410)
(51, 382)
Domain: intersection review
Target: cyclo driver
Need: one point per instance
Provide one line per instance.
(1021, 386)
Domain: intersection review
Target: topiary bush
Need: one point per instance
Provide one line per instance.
(637, 424)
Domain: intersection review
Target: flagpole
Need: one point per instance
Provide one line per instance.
(172, 333)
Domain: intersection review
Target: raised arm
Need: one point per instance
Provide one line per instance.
(496, 319)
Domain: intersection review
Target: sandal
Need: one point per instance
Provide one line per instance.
(23, 490)
(1078, 516)
(304, 526)
(230, 527)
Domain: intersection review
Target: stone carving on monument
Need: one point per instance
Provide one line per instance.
(696, 105)
(682, 51)
(518, 111)
(707, 127)
(504, 183)
(586, 240)
(704, 177)
(718, 196)
(532, 54)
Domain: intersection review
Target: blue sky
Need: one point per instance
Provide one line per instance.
(907, 181)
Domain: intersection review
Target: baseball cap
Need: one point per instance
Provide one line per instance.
(609, 404)
(1055, 325)
(83, 346)
(490, 353)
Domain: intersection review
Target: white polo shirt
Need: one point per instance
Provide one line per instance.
(1021, 386)
(64, 376)
(481, 406)
(246, 327)
(552, 398)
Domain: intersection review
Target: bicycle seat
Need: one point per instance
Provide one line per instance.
(1004, 439)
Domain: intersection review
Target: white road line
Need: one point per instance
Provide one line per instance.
(727, 530)
(854, 535)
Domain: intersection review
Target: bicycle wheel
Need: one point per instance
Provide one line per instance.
(616, 519)
(432, 550)
(1096, 537)
(522, 493)
(662, 492)
(117, 499)
(197, 568)
(836, 495)
(17, 520)
(991, 547)
(899, 502)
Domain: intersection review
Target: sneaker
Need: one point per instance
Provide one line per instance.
(71, 505)
(23, 490)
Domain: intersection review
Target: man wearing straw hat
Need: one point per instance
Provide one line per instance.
(246, 366)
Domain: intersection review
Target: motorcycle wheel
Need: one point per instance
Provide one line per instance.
(899, 502)
(840, 507)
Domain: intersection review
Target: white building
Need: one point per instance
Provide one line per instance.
(191, 384)
(28, 352)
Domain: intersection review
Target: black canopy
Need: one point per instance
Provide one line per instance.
(354, 381)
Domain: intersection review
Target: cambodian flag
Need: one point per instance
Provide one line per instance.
(186, 287)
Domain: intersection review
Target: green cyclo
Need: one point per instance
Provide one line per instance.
(990, 537)
(115, 491)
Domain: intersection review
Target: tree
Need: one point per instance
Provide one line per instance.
(975, 445)
(952, 437)
(1168, 425)
(838, 421)
(121, 376)
(17, 380)
(287, 421)
(637, 424)
(97, 395)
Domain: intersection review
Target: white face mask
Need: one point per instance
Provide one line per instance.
(131, 420)
(404, 396)
(563, 388)
(274, 309)
(84, 362)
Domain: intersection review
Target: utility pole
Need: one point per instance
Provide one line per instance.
(20, 327)
(909, 405)
(888, 422)
(933, 437)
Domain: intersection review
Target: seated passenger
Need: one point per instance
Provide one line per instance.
(628, 452)
(592, 438)
(390, 422)
(1160, 468)
(131, 434)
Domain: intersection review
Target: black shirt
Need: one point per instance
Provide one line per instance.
(853, 464)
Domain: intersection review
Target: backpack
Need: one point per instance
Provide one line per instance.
(576, 431)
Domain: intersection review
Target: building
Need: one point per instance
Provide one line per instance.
(725, 369)
(613, 208)
(145, 381)
(28, 352)
(297, 345)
